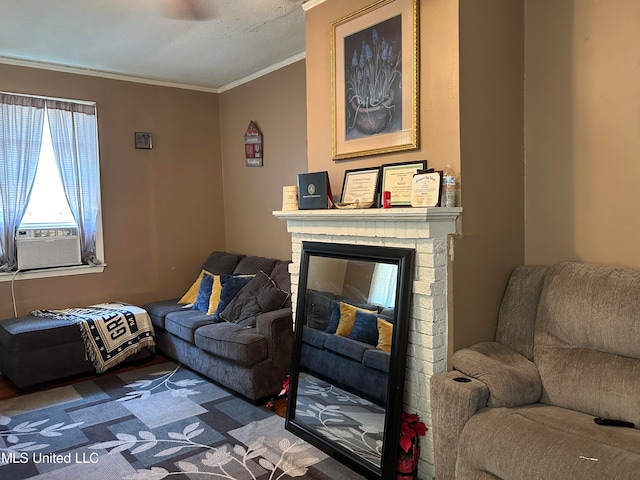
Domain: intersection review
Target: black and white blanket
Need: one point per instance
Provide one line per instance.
(111, 331)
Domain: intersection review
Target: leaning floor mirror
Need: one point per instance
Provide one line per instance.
(349, 354)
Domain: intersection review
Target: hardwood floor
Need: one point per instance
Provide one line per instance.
(9, 390)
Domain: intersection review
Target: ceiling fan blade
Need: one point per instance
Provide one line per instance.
(198, 10)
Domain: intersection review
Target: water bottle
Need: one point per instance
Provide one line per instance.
(448, 188)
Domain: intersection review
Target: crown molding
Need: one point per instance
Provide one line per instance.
(309, 4)
(264, 71)
(150, 81)
(101, 74)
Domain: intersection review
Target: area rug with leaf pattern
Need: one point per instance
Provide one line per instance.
(151, 423)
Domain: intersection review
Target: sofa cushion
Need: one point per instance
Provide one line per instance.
(233, 342)
(259, 295)
(374, 358)
(315, 338)
(586, 340)
(221, 263)
(30, 333)
(158, 310)
(512, 379)
(216, 263)
(390, 313)
(517, 314)
(542, 441)
(182, 324)
(344, 346)
(252, 265)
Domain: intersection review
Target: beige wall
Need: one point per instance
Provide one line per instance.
(276, 103)
(165, 209)
(471, 116)
(492, 164)
(161, 208)
(438, 85)
(583, 131)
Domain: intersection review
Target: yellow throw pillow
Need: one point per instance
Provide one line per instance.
(192, 293)
(348, 318)
(214, 299)
(385, 334)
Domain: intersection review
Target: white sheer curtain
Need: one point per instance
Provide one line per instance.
(21, 120)
(75, 146)
(383, 284)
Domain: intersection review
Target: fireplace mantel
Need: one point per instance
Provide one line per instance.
(432, 214)
(424, 229)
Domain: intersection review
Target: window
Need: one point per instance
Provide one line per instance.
(49, 172)
(48, 204)
(382, 291)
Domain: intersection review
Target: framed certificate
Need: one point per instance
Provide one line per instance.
(360, 188)
(427, 188)
(397, 178)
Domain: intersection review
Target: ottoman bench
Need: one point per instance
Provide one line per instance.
(35, 350)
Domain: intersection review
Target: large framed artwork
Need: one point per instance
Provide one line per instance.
(374, 80)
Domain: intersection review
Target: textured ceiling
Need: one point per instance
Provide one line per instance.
(206, 44)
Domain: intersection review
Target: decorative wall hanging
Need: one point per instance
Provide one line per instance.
(253, 146)
(143, 140)
(374, 80)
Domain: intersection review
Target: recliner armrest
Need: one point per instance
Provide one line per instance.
(511, 378)
(452, 404)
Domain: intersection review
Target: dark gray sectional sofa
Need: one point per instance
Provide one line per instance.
(246, 346)
(348, 363)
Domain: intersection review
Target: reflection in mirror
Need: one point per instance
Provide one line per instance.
(349, 352)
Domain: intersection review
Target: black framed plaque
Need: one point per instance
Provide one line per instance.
(314, 191)
(397, 178)
(360, 187)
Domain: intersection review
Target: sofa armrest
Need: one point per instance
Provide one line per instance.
(277, 328)
(511, 378)
(452, 404)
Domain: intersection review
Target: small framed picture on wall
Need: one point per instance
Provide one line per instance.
(143, 140)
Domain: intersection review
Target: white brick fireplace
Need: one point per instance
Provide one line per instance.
(424, 229)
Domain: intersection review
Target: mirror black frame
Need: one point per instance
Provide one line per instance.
(404, 259)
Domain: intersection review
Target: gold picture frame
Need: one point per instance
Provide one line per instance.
(374, 80)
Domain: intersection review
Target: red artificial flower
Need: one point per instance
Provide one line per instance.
(410, 427)
(285, 387)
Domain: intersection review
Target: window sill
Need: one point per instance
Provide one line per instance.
(51, 272)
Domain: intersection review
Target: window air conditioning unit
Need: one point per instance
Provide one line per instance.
(43, 247)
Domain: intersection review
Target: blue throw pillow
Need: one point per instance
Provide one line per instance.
(334, 317)
(204, 292)
(365, 328)
(231, 285)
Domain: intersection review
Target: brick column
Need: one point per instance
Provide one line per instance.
(425, 230)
